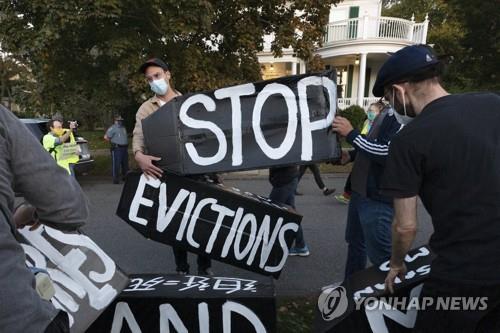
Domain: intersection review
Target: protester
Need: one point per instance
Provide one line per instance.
(61, 144)
(117, 136)
(158, 74)
(373, 111)
(368, 230)
(449, 154)
(284, 181)
(317, 178)
(60, 203)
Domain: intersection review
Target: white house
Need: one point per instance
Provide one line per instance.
(357, 42)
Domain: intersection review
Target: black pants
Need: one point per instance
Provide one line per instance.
(315, 171)
(438, 320)
(347, 186)
(181, 260)
(60, 324)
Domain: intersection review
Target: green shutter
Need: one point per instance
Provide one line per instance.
(353, 26)
(350, 72)
(353, 12)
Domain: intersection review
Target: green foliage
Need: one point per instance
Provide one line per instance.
(83, 56)
(355, 114)
(465, 34)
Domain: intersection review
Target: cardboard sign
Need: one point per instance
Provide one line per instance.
(343, 308)
(177, 303)
(285, 121)
(226, 224)
(86, 280)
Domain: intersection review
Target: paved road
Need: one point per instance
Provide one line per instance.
(324, 224)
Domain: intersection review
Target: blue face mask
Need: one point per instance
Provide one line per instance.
(371, 115)
(159, 87)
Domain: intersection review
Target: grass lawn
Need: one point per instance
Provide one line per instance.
(295, 314)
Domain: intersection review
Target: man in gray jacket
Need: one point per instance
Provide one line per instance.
(27, 169)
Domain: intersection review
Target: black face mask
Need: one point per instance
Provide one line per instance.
(119, 122)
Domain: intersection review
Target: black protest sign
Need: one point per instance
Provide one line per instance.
(177, 303)
(86, 280)
(360, 304)
(250, 126)
(226, 224)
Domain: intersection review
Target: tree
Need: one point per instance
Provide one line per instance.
(84, 55)
(464, 33)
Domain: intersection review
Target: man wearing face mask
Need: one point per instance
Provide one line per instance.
(117, 136)
(449, 154)
(368, 229)
(158, 75)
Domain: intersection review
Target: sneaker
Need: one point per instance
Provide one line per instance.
(342, 199)
(205, 272)
(182, 272)
(299, 251)
(298, 193)
(328, 191)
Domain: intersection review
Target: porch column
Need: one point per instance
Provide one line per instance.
(302, 69)
(294, 68)
(361, 81)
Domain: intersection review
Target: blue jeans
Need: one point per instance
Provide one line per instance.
(368, 233)
(286, 195)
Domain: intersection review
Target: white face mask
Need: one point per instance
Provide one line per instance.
(159, 87)
(402, 119)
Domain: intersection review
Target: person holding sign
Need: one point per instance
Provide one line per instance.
(449, 155)
(60, 203)
(157, 74)
(368, 230)
(61, 144)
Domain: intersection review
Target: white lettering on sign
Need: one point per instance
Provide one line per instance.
(71, 282)
(286, 145)
(376, 317)
(170, 317)
(235, 93)
(139, 200)
(307, 126)
(209, 105)
(245, 238)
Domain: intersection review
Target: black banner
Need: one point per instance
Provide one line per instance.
(360, 304)
(250, 126)
(177, 303)
(86, 280)
(229, 225)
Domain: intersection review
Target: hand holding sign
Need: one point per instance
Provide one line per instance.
(145, 162)
(342, 126)
(394, 272)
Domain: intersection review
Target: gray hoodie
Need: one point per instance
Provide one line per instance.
(26, 168)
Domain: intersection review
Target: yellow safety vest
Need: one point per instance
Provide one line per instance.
(64, 154)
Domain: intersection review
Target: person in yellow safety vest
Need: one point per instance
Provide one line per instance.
(61, 145)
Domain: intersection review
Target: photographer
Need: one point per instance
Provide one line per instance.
(61, 144)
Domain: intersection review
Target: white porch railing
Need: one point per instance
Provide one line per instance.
(344, 103)
(385, 28)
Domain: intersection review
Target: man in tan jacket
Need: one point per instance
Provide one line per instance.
(158, 75)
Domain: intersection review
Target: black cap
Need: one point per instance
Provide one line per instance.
(404, 64)
(154, 62)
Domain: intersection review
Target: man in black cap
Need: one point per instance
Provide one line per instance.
(158, 75)
(449, 154)
(117, 136)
